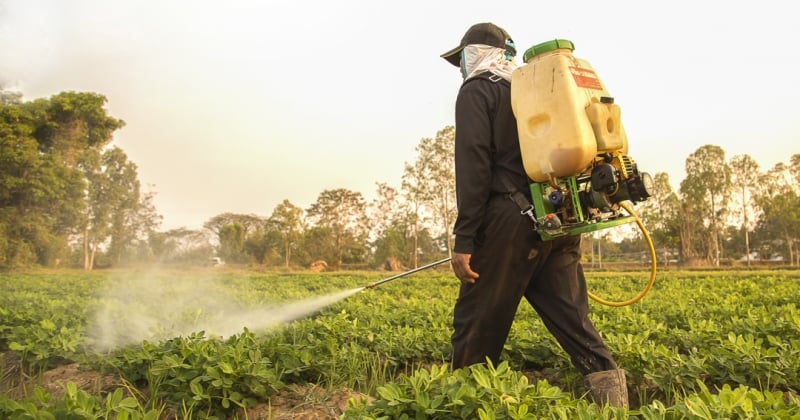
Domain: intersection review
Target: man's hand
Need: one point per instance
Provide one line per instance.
(462, 269)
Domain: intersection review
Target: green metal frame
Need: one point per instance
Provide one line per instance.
(543, 207)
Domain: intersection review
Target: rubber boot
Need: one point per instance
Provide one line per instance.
(608, 387)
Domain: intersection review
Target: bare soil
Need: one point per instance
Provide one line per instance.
(303, 402)
(18, 385)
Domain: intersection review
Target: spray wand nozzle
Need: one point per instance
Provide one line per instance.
(397, 276)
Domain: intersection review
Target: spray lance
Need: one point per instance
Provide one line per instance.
(397, 276)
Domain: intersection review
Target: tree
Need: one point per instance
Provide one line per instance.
(794, 167)
(661, 215)
(114, 217)
(780, 204)
(147, 221)
(398, 237)
(343, 213)
(705, 192)
(414, 197)
(40, 199)
(181, 244)
(262, 246)
(252, 235)
(388, 240)
(74, 128)
(318, 244)
(250, 222)
(231, 242)
(8, 97)
(429, 188)
(435, 168)
(287, 223)
(745, 179)
(384, 209)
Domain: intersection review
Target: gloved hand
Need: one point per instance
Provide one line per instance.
(462, 269)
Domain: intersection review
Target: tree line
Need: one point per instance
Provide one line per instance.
(727, 210)
(68, 197)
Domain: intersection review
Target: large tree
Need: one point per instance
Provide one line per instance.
(57, 145)
(40, 199)
(287, 223)
(75, 126)
(232, 242)
(429, 185)
(342, 214)
(779, 224)
(745, 179)
(413, 194)
(118, 213)
(398, 238)
(705, 192)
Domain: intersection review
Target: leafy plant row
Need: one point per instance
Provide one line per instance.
(700, 345)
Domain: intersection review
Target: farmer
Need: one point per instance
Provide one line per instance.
(498, 256)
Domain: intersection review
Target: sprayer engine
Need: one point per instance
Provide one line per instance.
(590, 200)
(614, 179)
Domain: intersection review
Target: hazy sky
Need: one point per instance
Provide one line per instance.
(238, 105)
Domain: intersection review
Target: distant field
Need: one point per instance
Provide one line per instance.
(223, 343)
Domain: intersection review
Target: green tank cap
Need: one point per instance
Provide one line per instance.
(547, 46)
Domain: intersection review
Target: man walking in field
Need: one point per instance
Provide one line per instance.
(498, 257)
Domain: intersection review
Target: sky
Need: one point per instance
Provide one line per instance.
(236, 106)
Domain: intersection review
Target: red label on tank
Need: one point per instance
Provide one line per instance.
(586, 78)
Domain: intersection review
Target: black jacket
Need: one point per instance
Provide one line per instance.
(486, 149)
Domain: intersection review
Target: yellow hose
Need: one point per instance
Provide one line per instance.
(647, 288)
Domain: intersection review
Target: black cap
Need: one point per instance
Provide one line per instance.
(485, 34)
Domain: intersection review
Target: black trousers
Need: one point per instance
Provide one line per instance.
(513, 262)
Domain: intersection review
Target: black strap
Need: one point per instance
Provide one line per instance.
(487, 75)
(520, 199)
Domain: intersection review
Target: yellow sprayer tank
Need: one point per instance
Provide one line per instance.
(565, 115)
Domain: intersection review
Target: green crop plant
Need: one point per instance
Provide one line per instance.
(688, 347)
(218, 376)
(478, 391)
(77, 404)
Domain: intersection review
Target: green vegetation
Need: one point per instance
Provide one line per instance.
(702, 344)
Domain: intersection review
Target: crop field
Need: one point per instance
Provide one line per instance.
(224, 343)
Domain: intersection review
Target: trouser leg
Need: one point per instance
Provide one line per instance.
(484, 311)
(558, 294)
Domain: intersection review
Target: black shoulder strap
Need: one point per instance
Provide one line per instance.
(525, 206)
(487, 75)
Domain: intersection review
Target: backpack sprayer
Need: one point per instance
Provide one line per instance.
(574, 149)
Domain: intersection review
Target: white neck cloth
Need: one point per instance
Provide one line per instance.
(478, 58)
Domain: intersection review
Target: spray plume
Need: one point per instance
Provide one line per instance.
(156, 306)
